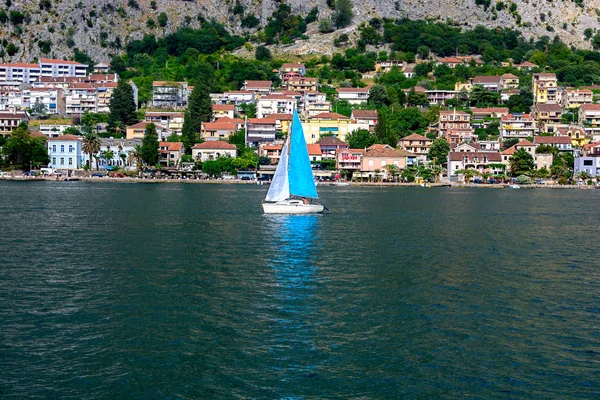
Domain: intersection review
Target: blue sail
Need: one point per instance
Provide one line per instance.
(301, 178)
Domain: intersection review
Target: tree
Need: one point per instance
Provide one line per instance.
(360, 139)
(262, 53)
(39, 109)
(383, 131)
(521, 163)
(163, 19)
(90, 145)
(122, 106)
(117, 65)
(468, 174)
(149, 149)
(378, 96)
(438, 152)
(199, 110)
(416, 98)
(135, 157)
(239, 140)
(24, 150)
(343, 13)
(596, 41)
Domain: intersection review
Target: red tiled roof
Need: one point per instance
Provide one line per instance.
(280, 117)
(371, 114)
(258, 84)
(548, 107)
(314, 149)
(524, 142)
(217, 144)
(331, 141)
(552, 140)
(56, 61)
(490, 110)
(21, 65)
(37, 134)
(261, 121)
(172, 146)
(450, 60)
(329, 115)
(223, 107)
(164, 114)
(353, 90)
(415, 136)
(492, 156)
(509, 76)
(232, 120)
(142, 124)
(388, 153)
(223, 126)
(590, 107)
(66, 137)
(486, 79)
(527, 64)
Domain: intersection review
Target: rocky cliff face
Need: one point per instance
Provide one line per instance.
(103, 27)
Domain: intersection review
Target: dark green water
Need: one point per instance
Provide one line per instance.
(189, 291)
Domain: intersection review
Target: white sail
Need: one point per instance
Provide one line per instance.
(280, 185)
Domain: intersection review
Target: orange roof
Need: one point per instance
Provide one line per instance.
(56, 61)
(232, 120)
(352, 90)
(292, 65)
(259, 84)
(142, 124)
(172, 146)
(281, 117)
(450, 60)
(527, 64)
(314, 149)
(215, 144)
(590, 107)
(219, 126)
(66, 137)
(364, 113)
(329, 115)
(223, 107)
(20, 65)
(415, 136)
(261, 121)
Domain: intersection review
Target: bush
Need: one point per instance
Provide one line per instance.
(251, 21)
(312, 15)
(262, 53)
(326, 25)
(523, 180)
(150, 23)
(12, 49)
(163, 19)
(343, 13)
(45, 46)
(16, 17)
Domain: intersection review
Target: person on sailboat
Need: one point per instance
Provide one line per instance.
(305, 200)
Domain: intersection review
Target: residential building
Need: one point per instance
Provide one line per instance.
(20, 72)
(353, 95)
(510, 81)
(53, 67)
(547, 116)
(283, 122)
(574, 98)
(386, 66)
(365, 117)
(223, 110)
(65, 152)
(540, 160)
(10, 120)
(238, 97)
(455, 123)
(260, 130)
(329, 124)
(482, 116)
(297, 68)
(52, 130)
(545, 88)
(168, 121)
(29, 72)
(170, 94)
(528, 66)
(270, 151)
(409, 71)
(52, 99)
(213, 150)
(120, 149)
(490, 83)
(314, 152)
(589, 117)
(137, 131)
(218, 130)
(505, 94)
(440, 96)
(489, 145)
(102, 68)
(80, 98)
(589, 161)
(562, 143)
(259, 88)
(578, 136)
(378, 158)
(11, 96)
(330, 145)
(451, 62)
(517, 125)
(416, 144)
(170, 153)
(478, 160)
(302, 84)
(350, 159)
(275, 104)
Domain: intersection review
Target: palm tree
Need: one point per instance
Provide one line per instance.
(392, 170)
(468, 173)
(584, 176)
(119, 129)
(436, 170)
(135, 156)
(90, 145)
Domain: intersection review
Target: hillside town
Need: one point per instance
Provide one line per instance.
(53, 97)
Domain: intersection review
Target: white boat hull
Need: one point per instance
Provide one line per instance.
(292, 207)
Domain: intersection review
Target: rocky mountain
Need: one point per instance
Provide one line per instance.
(54, 28)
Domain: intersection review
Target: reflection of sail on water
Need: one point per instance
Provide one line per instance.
(280, 186)
(294, 307)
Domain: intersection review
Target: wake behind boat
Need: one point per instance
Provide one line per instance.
(293, 183)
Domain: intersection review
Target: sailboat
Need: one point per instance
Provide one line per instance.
(293, 183)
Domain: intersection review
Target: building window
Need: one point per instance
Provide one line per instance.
(70, 148)
(54, 148)
(70, 161)
(62, 148)
(53, 160)
(587, 162)
(62, 161)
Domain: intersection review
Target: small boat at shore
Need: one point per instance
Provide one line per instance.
(339, 184)
(514, 186)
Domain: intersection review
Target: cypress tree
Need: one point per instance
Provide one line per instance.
(150, 145)
(122, 106)
(199, 110)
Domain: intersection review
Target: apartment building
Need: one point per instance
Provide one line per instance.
(10, 120)
(170, 94)
(517, 125)
(574, 98)
(353, 95)
(275, 104)
(545, 88)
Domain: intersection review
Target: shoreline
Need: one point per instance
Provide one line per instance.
(240, 182)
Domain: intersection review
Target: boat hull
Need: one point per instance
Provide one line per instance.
(292, 207)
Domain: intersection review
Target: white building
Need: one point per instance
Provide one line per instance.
(52, 99)
(353, 95)
(53, 130)
(121, 154)
(275, 104)
(170, 94)
(65, 152)
(52, 67)
(213, 150)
